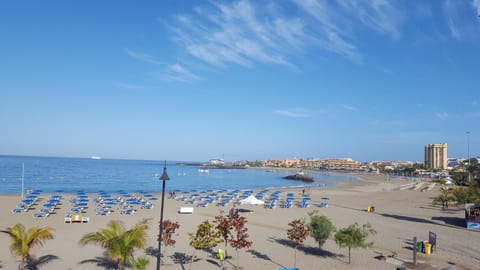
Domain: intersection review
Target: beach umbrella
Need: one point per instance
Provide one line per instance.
(148, 195)
(81, 204)
(82, 196)
(28, 201)
(153, 199)
(251, 200)
(49, 205)
(325, 198)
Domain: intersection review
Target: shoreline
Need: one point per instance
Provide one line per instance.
(399, 215)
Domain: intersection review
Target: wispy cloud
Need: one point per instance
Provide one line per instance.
(380, 15)
(225, 34)
(295, 113)
(247, 33)
(178, 73)
(140, 56)
(459, 17)
(128, 86)
(476, 6)
(349, 108)
(442, 115)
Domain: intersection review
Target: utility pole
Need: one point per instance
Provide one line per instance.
(468, 154)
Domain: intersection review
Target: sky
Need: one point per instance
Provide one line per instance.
(196, 80)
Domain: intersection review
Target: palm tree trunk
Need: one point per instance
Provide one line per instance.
(295, 257)
(349, 255)
(191, 261)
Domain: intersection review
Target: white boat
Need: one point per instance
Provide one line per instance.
(95, 157)
(203, 170)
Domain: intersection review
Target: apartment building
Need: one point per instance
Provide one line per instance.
(436, 156)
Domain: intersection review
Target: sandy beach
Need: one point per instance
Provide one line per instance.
(400, 214)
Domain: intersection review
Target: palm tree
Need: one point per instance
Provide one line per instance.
(119, 242)
(22, 240)
(444, 197)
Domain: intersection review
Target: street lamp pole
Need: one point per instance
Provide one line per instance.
(468, 154)
(164, 178)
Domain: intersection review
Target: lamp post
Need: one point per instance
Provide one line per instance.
(468, 154)
(164, 178)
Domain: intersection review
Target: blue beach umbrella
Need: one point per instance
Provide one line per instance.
(153, 199)
(49, 205)
(148, 195)
(325, 198)
(82, 196)
(27, 201)
(81, 204)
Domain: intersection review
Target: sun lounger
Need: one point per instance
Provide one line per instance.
(40, 215)
(19, 210)
(76, 218)
(186, 210)
(323, 204)
(85, 219)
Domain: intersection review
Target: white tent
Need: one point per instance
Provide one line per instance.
(251, 200)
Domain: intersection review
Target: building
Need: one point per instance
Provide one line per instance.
(436, 156)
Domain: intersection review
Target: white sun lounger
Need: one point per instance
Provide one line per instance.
(186, 210)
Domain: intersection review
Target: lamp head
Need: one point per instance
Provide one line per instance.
(164, 174)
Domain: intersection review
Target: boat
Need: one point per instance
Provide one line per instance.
(203, 170)
(95, 157)
(301, 177)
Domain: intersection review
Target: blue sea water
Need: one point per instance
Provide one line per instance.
(68, 175)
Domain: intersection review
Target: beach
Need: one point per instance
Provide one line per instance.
(399, 215)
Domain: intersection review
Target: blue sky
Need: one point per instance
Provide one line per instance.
(194, 80)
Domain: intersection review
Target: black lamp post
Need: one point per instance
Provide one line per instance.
(164, 178)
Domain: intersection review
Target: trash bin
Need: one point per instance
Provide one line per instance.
(419, 246)
(428, 248)
(372, 209)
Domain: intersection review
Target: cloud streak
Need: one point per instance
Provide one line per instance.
(442, 115)
(349, 108)
(297, 113)
(476, 6)
(140, 56)
(178, 73)
(247, 33)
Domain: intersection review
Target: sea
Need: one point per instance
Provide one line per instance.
(70, 175)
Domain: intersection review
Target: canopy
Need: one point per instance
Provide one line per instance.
(251, 200)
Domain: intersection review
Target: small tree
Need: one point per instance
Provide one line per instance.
(354, 236)
(206, 237)
(239, 239)
(320, 228)
(168, 230)
(463, 195)
(297, 234)
(444, 197)
(22, 240)
(224, 226)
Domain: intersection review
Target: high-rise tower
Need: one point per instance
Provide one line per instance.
(436, 156)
